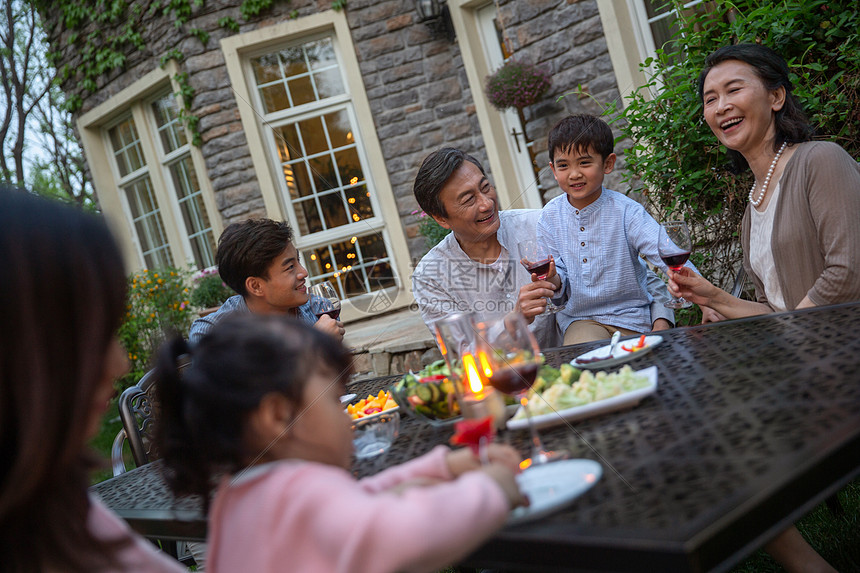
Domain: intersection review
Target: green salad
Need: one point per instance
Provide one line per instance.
(568, 387)
(430, 392)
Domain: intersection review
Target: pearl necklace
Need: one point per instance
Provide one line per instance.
(757, 202)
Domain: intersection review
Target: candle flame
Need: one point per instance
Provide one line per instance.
(485, 364)
(472, 374)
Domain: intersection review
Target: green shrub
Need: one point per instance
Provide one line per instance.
(209, 290)
(158, 305)
(428, 228)
(678, 165)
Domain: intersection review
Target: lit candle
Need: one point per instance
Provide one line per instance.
(480, 401)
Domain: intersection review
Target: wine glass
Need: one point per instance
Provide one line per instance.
(509, 357)
(674, 247)
(536, 259)
(324, 300)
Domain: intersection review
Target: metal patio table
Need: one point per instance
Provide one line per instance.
(755, 421)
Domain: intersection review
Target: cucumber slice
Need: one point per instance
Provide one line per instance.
(435, 392)
(424, 392)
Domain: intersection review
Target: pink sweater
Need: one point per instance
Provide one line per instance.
(302, 516)
(140, 556)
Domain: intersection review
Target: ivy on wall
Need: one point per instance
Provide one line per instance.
(116, 29)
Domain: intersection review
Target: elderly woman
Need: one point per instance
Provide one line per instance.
(800, 236)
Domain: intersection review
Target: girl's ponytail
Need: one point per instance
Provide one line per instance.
(175, 439)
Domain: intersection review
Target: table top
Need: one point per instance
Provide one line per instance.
(754, 422)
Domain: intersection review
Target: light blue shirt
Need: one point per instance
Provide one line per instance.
(236, 303)
(596, 251)
(447, 281)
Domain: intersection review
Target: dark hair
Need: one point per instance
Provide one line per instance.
(578, 133)
(791, 123)
(63, 285)
(434, 172)
(247, 249)
(204, 408)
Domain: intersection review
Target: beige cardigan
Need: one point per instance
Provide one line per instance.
(816, 228)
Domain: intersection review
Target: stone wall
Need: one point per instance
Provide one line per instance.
(417, 87)
(567, 38)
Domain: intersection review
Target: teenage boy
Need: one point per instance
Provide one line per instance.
(595, 237)
(257, 259)
(476, 268)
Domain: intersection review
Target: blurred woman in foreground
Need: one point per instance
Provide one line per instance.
(63, 288)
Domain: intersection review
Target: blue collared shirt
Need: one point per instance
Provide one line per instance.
(236, 303)
(596, 251)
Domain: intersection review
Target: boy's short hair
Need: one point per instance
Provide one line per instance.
(247, 249)
(579, 132)
(434, 172)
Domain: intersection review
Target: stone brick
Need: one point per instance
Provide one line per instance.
(209, 134)
(402, 144)
(418, 34)
(226, 163)
(406, 84)
(398, 22)
(361, 362)
(222, 117)
(448, 110)
(441, 91)
(402, 72)
(362, 33)
(208, 80)
(392, 130)
(380, 45)
(418, 118)
(230, 141)
(400, 99)
(381, 363)
(205, 61)
(382, 11)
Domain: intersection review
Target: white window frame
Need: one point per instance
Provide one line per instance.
(93, 127)
(238, 52)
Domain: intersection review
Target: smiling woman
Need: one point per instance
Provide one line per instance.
(800, 236)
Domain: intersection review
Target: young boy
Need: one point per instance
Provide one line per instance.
(595, 237)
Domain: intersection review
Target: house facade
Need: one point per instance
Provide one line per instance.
(322, 116)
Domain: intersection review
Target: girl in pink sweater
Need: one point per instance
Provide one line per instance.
(260, 406)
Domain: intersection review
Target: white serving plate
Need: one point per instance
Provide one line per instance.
(620, 356)
(619, 402)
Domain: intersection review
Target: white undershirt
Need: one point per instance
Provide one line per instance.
(761, 255)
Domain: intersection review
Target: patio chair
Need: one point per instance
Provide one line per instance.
(138, 411)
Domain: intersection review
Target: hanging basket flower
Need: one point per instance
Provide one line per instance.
(516, 84)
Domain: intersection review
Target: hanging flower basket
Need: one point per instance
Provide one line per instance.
(516, 84)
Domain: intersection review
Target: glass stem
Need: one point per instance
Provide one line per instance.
(538, 457)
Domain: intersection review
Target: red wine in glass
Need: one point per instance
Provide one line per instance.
(333, 313)
(514, 379)
(674, 246)
(539, 268)
(512, 356)
(536, 259)
(675, 262)
(324, 300)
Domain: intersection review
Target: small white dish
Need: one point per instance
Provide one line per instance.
(619, 402)
(552, 486)
(346, 398)
(620, 355)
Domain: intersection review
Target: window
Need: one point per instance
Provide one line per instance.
(658, 25)
(169, 154)
(313, 136)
